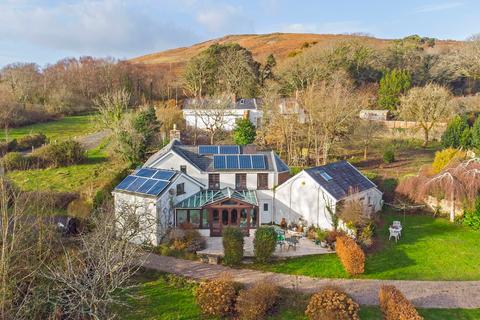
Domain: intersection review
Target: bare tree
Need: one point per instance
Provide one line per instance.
(26, 246)
(215, 114)
(331, 108)
(365, 132)
(112, 106)
(427, 106)
(91, 279)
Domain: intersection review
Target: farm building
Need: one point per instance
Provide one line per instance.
(314, 194)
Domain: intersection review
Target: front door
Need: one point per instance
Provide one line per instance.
(222, 217)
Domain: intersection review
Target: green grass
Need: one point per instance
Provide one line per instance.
(65, 128)
(158, 297)
(429, 249)
(82, 177)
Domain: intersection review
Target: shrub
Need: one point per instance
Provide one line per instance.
(79, 208)
(456, 132)
(232, 245)
(366, 235)
(472, 216)
(194, 240)
(15, 161)
(395, 306)
(216, 297)
(64, 153)
(332, 304)
(7, 146)
(445, 157)
(321, 234)
(332, 237)
(351, 255)
(255, 302)
(31, 141)
(389, 156)
(264, 243)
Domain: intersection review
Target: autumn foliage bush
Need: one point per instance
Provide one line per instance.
(216, 297)
(255, 303)
(332, 304)
(351, 255)
(395, 306)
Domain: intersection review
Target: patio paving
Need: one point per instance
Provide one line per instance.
(305, 247)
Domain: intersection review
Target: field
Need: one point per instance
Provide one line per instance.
(65, 128)
(161, 297)
(429, 249)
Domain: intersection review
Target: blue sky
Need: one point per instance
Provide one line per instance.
(44, 31)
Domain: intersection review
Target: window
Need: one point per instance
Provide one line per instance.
(240, 181)
(182, 217)
(214, 181)
(195, 218)
(183, 169)
(265, 207)
(262, 181)
(180, 188)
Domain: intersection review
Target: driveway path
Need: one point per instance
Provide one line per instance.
(426, 294)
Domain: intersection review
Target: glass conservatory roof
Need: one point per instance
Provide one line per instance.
(206, 197)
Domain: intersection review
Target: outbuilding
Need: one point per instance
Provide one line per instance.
(314, 194)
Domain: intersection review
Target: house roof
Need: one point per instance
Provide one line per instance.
(149, 182)
(240, 104)
(340, 179)
(206, 197)
(204, 162)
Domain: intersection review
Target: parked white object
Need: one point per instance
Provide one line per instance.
(394, 233)
(398, 226)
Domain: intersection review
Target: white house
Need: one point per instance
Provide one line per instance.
(222, 185)
(149, 192)
(313, 194)
(198, 115)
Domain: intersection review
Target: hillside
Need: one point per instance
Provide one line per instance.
(280, 44)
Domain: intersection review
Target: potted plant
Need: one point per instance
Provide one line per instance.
(321, 237)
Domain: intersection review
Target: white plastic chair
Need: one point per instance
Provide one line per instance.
(394, 233)
(398, 226)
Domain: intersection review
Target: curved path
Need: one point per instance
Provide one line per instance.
(426, 294)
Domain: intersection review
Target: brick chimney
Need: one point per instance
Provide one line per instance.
(246, 114)
(174, 133)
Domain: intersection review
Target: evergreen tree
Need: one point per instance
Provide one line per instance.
(244, 132)
(392, 85)
(457, 133)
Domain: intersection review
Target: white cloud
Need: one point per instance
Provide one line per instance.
(438, 7)
(224, 18)
(337, 27)
(99, 27)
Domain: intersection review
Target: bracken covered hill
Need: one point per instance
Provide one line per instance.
(281, 45)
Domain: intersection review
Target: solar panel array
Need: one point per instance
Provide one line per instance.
(242, 161)
(146, 181)
(224, 149)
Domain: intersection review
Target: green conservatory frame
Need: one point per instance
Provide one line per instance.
(216, 209)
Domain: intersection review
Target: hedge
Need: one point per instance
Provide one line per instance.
(395, 306)
(351, 255)
(332, 304)
(264, 244)
(232, 245)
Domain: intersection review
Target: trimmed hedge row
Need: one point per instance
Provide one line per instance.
(395, 306)
(351, 255)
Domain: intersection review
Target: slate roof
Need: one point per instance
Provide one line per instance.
(345, 178)
(240, 104)
(205, 162)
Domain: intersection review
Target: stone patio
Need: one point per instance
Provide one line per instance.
(305, 247)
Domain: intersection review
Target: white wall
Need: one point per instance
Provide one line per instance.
(172, 161)
(300, 197)
(202, 119)
(158, 212)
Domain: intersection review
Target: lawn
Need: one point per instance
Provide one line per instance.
(429, 249)
(65, 128)
(83, 177)
(160, 297)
